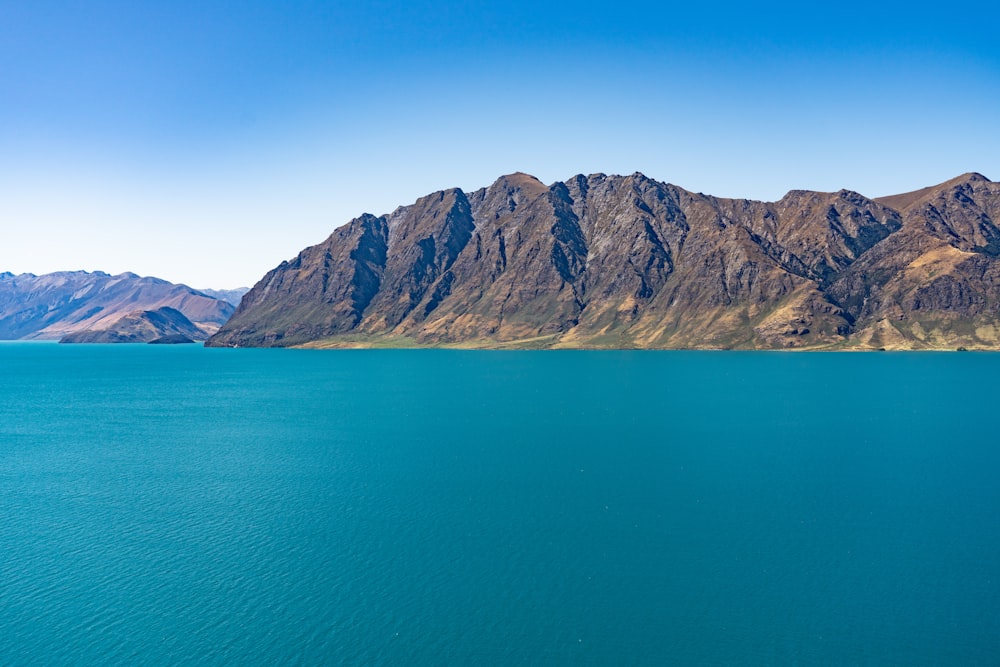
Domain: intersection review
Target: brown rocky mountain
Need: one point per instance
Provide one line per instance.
(626, 261)
(142, 326)
(52, 306)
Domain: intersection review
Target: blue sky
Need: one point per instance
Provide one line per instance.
(206, 142)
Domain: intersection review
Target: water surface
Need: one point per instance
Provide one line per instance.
(181, 505)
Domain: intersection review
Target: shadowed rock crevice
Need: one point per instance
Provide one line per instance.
(569, 252)
(369, 264)
(654, 266)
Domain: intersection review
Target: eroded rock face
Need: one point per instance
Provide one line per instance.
(626, 261)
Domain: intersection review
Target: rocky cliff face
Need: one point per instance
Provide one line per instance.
(55, 305)
(626, 261)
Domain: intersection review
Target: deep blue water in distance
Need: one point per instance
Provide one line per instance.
(179, 505)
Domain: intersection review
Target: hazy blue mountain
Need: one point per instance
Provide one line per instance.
(232, 296)
(55, 305)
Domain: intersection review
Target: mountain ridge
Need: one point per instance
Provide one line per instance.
(142, 326)
(627, 261)
(54, 305)
(230, 296)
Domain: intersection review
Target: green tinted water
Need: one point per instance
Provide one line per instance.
(174, 505)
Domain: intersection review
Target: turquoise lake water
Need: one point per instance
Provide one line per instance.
(179, 505)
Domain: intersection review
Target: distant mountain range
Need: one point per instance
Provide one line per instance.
(232, 296)
(143, 326)
(627, 261)
(98, 307)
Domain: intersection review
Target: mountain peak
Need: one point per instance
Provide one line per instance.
(520, 175)
(521, 181)
(968, 178)
(975, 177)
(907, 199)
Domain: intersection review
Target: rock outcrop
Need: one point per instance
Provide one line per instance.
(626, 261)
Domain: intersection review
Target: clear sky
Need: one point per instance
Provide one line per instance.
(205, 142)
